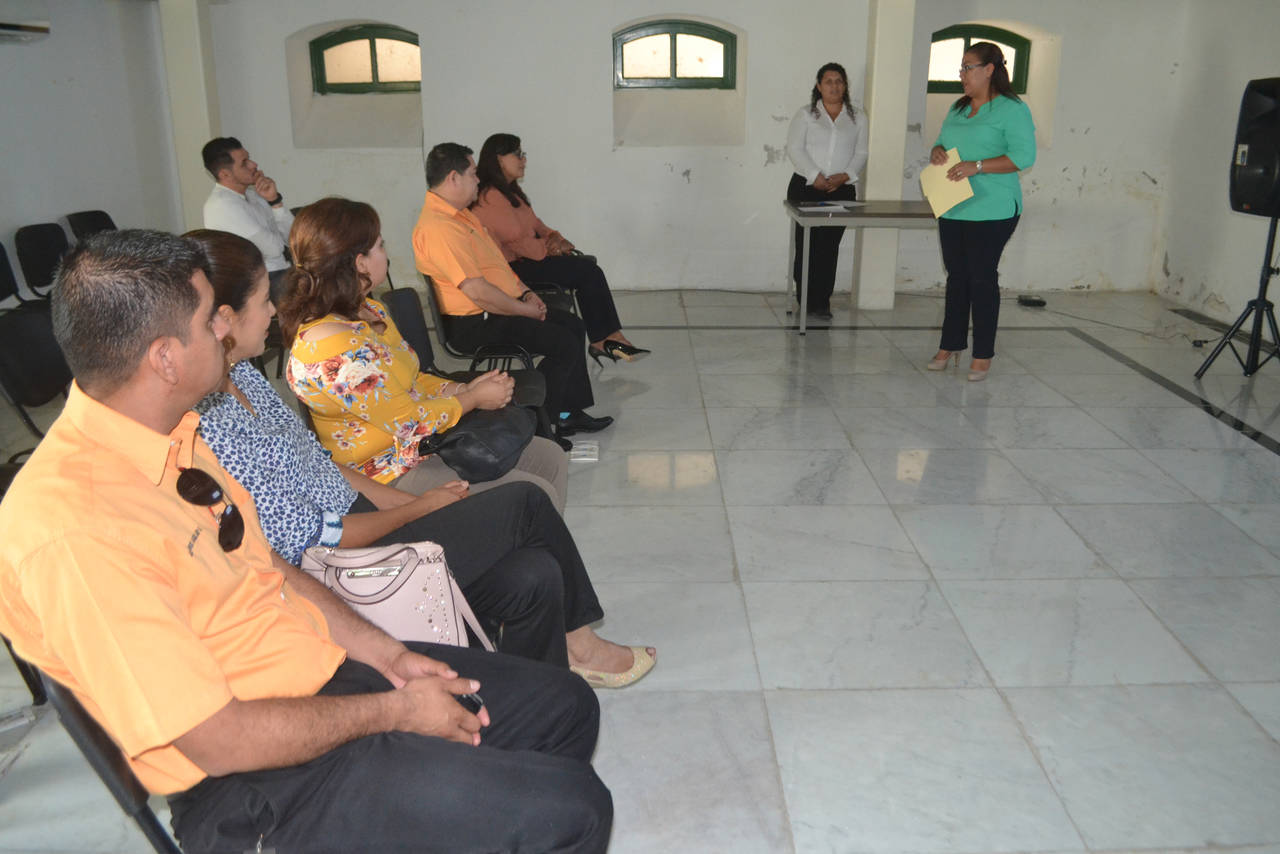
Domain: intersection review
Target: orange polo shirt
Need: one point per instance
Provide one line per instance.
(451, 246)
(117, 588)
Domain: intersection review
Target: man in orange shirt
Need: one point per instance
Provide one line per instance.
(133, 570)
(484, 302)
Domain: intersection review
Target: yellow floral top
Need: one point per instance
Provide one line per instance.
(370, 403)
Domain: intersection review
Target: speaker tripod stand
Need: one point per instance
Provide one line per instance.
(1259, 308)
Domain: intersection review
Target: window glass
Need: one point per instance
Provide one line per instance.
(649, 56)
(945, 58)
(398, 61)
(697, 56)
(348, 63)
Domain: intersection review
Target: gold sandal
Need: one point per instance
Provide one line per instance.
(642, 662)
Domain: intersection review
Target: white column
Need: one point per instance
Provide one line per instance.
(193, 97)
(890, 34)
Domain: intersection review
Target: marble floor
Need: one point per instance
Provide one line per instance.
(897, 611)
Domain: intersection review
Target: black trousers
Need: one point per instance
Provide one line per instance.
(824, 244)
(527, 787)
(560, 340)
(971, 253)
(515, 561)
(583, 276)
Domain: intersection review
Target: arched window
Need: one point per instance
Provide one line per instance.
(949, 45)
(674, 55)
(366, 58)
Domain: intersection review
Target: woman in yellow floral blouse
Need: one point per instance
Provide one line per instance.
(370, 403)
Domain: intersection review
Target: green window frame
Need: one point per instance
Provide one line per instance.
(360, 32)
(980, 33)
(673, 28)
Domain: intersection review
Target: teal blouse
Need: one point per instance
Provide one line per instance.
(1002, 126)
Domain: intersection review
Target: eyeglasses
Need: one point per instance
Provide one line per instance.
(965, 68)
(198, 487)
(520, 152)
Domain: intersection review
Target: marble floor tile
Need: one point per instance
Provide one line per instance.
(1067, 632)
(699, 630)
(1042, 427)
(750, 351)
(1072, 476)
(998, 542)
(925, 772)
(998, 389)
(822, 544)
(763, 390)
(649, 308)
(672, 353)
(645, 429)
(760, 428)
(881, 390)
(860, 634)
(1155, 766)
(1228, 624)
(845, 361)
(1262, 701)
(1169, 540)
(653, 543)
(1225, 477)
(676, 478)
(740, 299)
(1047, 359)
(708, 778)
(921, 476)
(910, 427)
(1054, 338)
(717, 315)
(1260, 521)
(1169, 428)
(778, 478)
(622, 392)
(1130, 389)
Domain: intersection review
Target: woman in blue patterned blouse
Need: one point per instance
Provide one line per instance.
(510, 550)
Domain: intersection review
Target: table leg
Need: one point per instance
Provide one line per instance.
(804, 276)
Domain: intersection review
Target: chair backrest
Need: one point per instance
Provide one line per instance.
(40, 247)
(8, 282)
(85, 223)
(406, 312)
(437, 320)
(33, 370)
(108, 761)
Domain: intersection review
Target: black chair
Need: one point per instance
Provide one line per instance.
(490, 356)
(85, 223)
(40, 247)
(108, 761)
(32, 368)
(8, 282)
(405, 309)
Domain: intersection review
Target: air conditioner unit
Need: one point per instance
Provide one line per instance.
(23, 31)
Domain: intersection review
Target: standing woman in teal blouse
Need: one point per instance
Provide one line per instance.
(992, 130)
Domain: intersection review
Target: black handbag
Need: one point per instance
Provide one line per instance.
(485, 443)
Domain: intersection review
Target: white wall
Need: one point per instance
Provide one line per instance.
(1094, 201)
(86, 120)
(659, 217)
(1213, 253)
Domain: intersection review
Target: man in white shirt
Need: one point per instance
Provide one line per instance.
(246, 202)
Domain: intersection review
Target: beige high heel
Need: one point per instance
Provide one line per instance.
(941, 364)
(977, 375)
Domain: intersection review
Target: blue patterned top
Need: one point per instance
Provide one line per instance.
(299, 493)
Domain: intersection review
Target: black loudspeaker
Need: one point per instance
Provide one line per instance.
(1255, 169)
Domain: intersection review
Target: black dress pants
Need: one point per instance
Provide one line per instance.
(583, 276)
(971, 253)
(515, 561)
(824, 244)
(561, 340)
(527, 787)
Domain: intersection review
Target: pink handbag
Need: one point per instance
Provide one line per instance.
(406, 590)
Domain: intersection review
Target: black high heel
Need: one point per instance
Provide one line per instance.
(596, 353)
(618, 350)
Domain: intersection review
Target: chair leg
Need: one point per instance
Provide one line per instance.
(29, 675)
(544, 428)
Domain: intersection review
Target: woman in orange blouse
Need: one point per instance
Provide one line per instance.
(538, 253)
(371, 405)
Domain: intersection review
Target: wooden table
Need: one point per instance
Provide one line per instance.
(869, 214)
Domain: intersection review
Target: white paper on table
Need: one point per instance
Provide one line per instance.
(943, 193)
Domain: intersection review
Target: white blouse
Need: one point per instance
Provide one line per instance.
(817, 144)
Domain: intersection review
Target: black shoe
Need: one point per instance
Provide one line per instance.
(598, 354)
(820, 313)
(628, 353)
(581, 422)
(565, 444)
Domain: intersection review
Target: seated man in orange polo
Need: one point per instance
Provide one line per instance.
(484, 302)
(133, 571)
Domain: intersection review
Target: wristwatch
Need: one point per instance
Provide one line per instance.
(979, 165)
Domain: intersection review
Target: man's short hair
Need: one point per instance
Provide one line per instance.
(217, 154)
(445, 158)
(118, 291)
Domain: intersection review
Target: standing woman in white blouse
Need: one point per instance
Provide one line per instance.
(827, 145)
